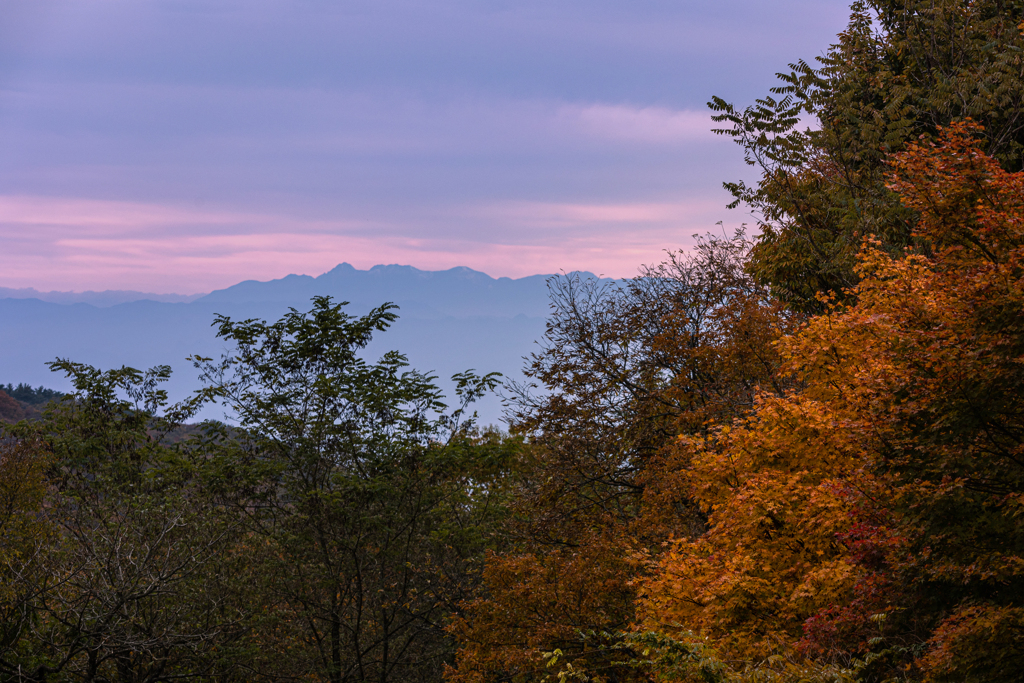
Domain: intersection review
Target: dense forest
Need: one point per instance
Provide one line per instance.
(792, 454)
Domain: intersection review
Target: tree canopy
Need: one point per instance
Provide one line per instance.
(901, 69)
(330, 532)
(853, 515)
(795, 456)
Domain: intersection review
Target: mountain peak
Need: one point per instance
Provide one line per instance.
(458, 291)
(395, 267)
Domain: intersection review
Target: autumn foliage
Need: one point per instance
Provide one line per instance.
(861, 520)
(626, 368)
(794, 457)
(870, 519)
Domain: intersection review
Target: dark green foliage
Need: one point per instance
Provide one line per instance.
(129, 586)
(26, 394)
(371, 505)
(902, 69)
(330, 535)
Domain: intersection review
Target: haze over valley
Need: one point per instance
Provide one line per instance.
(450, 321)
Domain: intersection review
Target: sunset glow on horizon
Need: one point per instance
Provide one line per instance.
(119, 245)
(172, 147)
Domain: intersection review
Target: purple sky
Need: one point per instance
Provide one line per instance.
(185, 145)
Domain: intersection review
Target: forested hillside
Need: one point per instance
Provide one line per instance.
(24, 402)
(790, 455)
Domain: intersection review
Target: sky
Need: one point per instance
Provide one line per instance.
(186, 145)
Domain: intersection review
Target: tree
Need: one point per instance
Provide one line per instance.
(866, 525)
(24, 393)
(369, 505)
(624, 369)
(125, 586)
(903, 68)
(24, 533)
(10, 409)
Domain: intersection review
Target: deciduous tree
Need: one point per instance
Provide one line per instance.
(867, 524)
(625, 368)
(373, 502)
(901, 69)
(125, 587)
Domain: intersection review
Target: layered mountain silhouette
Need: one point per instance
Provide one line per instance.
(110, 297)
(459, 292)
(449, 321)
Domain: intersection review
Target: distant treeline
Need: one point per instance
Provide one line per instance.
(22, 402)
(24, 393)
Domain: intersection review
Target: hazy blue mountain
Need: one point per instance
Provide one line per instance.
(458, 292)
(110, 297)
(449, 321)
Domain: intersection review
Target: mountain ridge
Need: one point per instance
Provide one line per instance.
(379, 280)
(449, 321)
(107, 297)
(458, 291)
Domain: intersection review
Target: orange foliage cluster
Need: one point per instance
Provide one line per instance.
(876, 508)
(599, 487)
(862, 519)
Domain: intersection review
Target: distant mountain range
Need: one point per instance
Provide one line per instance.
(110, 297)
(459, 292)
(449, 321)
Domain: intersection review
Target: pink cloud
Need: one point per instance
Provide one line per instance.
(54, 212)
(78, 244)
